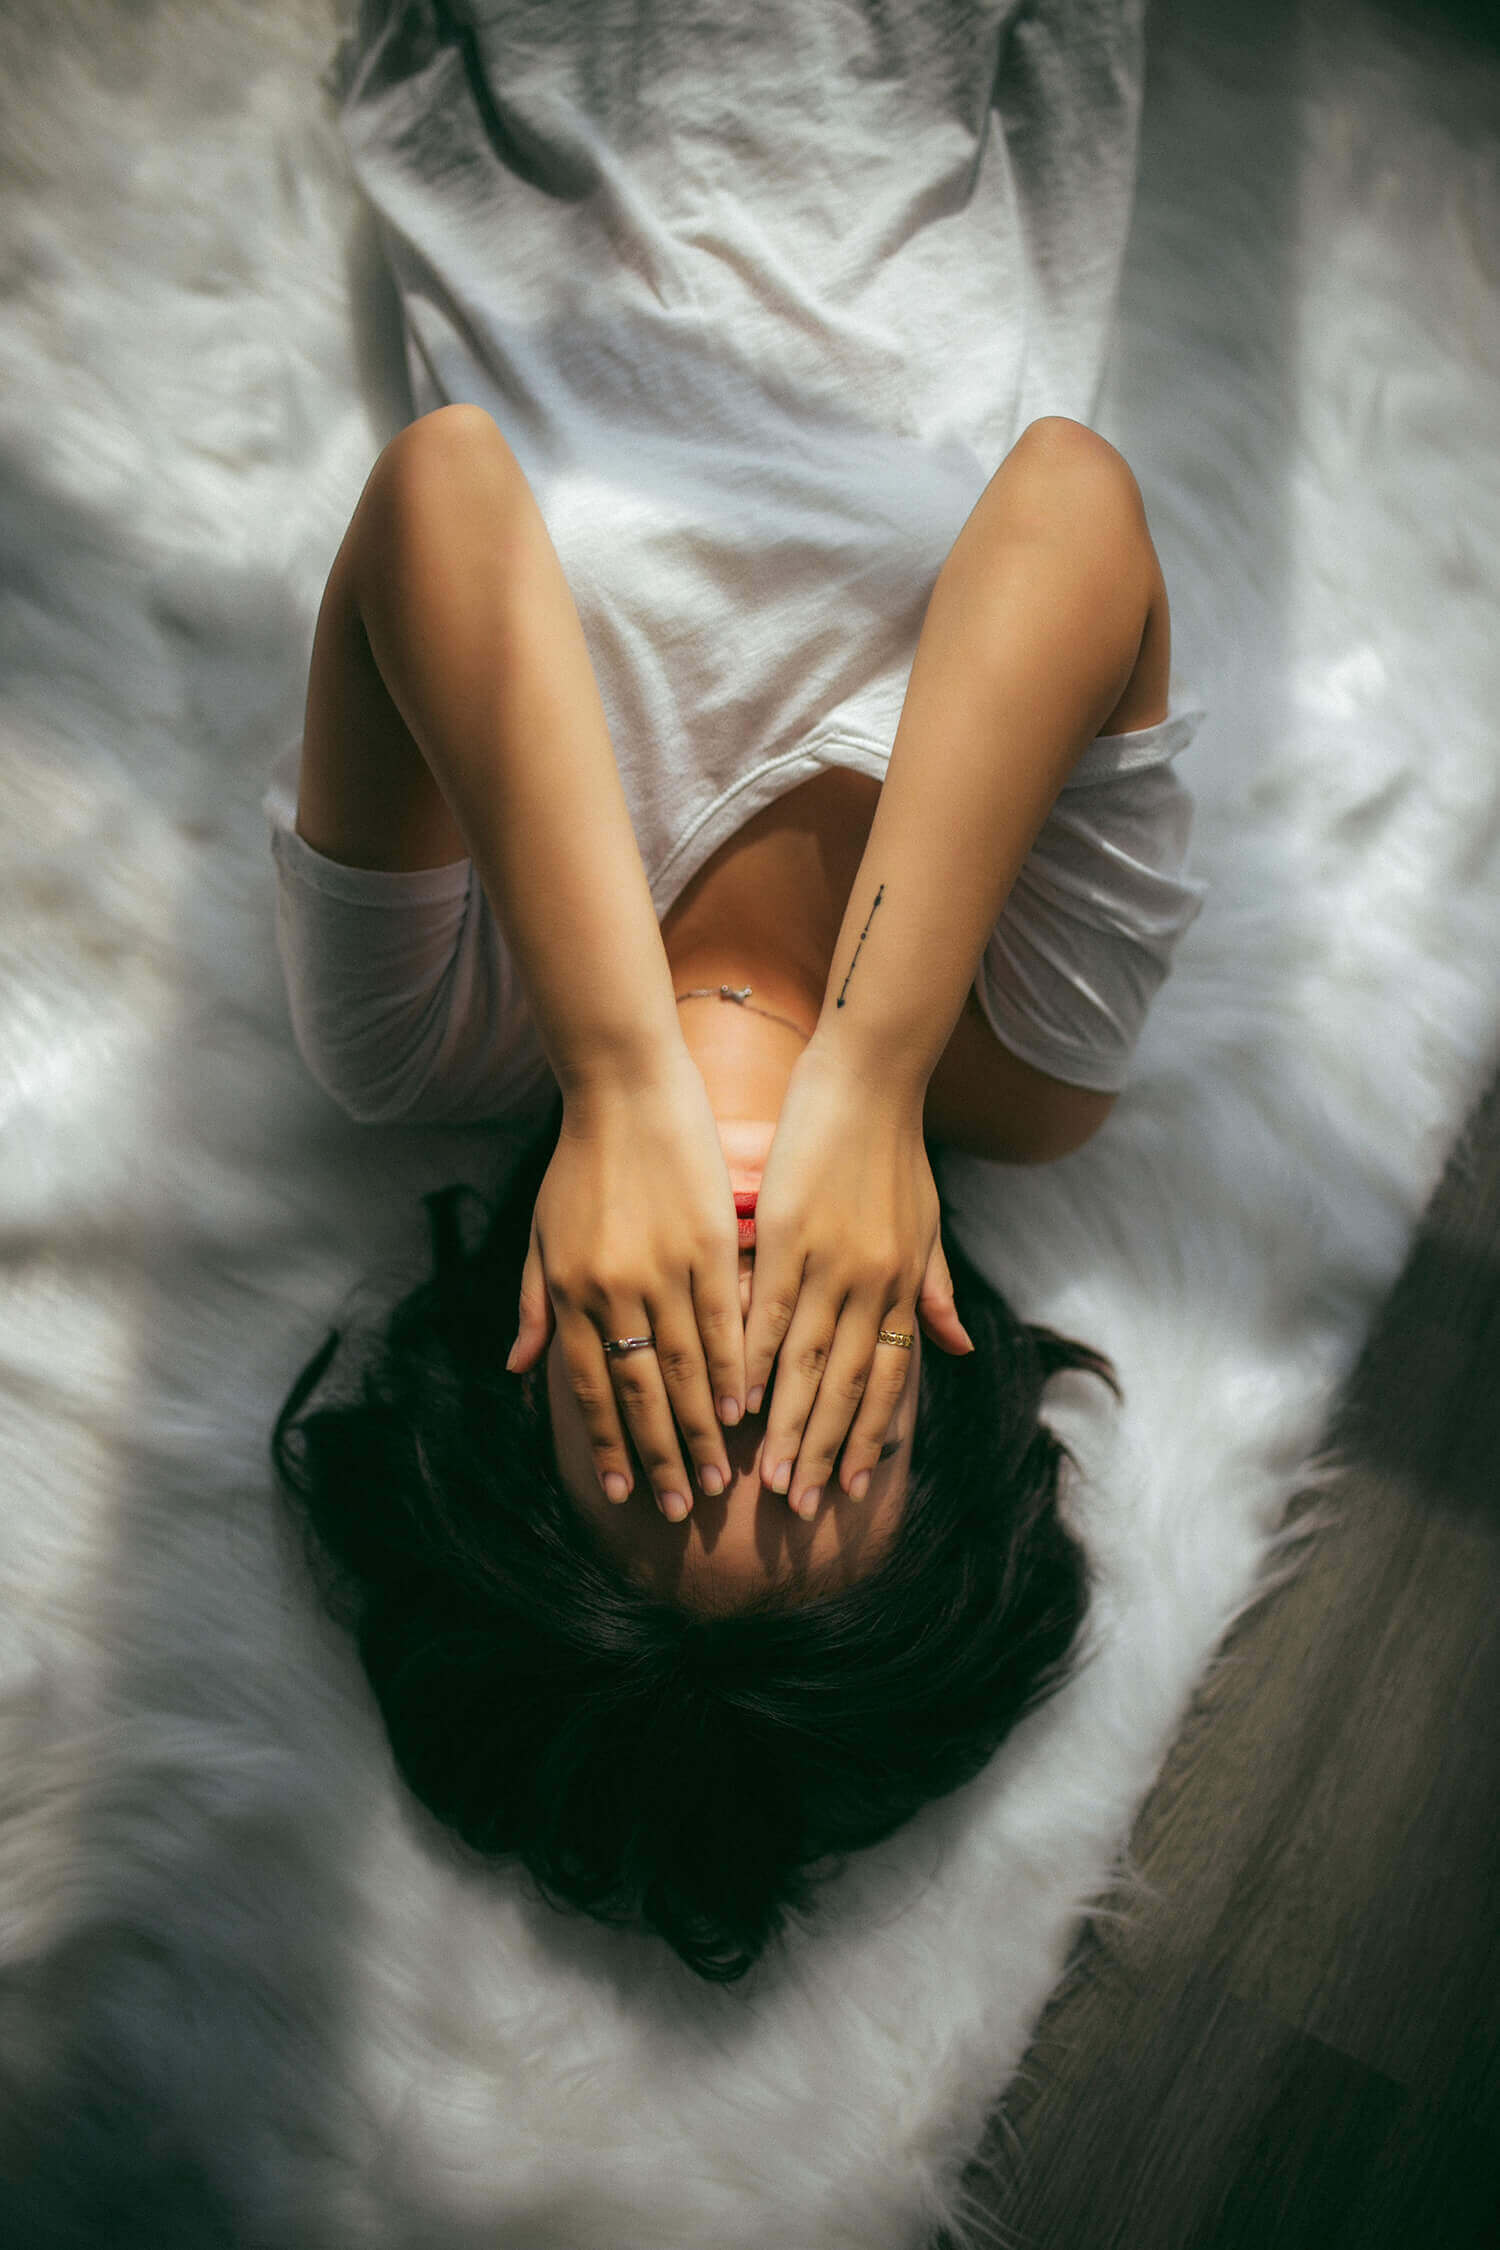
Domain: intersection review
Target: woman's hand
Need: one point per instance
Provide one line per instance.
(634, 1234)
(847, 1242)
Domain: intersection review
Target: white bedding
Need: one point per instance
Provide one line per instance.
(245, 1994)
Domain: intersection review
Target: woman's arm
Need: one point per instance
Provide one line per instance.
(1031, 644)
(1032, 633)
(450, 630)
(498, 690)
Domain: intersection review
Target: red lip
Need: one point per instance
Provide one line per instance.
(744, 1204)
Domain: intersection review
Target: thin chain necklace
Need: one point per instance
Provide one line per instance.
(740, 994)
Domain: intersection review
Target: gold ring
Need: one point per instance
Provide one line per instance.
(896, 1336)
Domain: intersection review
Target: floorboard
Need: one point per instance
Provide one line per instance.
(1292, 2036)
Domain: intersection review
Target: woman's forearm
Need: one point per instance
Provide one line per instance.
(1029, 640)
(502, 700)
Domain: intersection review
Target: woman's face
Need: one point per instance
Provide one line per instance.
(733, 1547)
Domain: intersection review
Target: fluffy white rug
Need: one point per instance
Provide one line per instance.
(246, 1997)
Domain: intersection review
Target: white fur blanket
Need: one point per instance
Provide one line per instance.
(245, 1996)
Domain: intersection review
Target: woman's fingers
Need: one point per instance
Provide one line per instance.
(720, 1327)
(936, 1308)
(847, 1223)
(536, 1323)
(689, 1390)
(836, 1389)
(623, 1391)
(885, 1385)
(635, 1235)
(776, 1295)
(657, 1397)
(793, 1325)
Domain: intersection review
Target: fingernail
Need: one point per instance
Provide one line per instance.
(810, 1501)
(729, 1410)
(615, 1487)
(673, 1506)
(782, 1478)
(753, 1401)
(860, 1486)
(710, 1479)
(510, 1364)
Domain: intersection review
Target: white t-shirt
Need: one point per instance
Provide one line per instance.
(761, 293)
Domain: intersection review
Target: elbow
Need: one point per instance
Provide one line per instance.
(1078, 1122)
(1044, 1130)
(1072, 448)
(1061, 1128)
(1079, 476)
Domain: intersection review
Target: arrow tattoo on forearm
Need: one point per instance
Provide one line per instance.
(864, 933)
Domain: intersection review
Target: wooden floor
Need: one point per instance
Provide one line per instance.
(1298, 2042)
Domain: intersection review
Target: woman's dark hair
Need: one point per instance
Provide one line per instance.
(696, 1775)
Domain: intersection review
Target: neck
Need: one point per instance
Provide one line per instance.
(744, 1056)
(741, 996)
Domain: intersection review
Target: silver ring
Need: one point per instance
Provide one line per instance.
(628, 1344)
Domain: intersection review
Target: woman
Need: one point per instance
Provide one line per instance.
(677, 1709)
